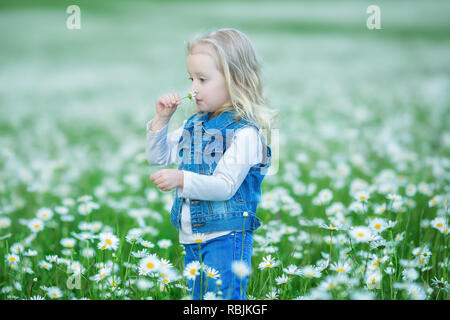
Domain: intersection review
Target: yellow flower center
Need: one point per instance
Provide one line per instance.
(54, 295)
(150, 265)
(340, 270)
(377, 226)
(211, 275)
(165, 280)
(360, 234)
(421, 261)
(114, 283)
(198, 240)
(193, 271)
(12, 259)
(268, 265)
(68, 245)
(108, 241)
(439, 224)
(362, 198)
(36, 226)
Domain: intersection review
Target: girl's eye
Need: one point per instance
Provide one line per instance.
(201, 79)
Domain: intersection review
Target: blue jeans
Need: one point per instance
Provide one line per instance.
(219, 253)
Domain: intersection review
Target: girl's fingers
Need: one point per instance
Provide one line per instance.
(173, 100)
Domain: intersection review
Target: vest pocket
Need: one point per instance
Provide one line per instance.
(217, 207)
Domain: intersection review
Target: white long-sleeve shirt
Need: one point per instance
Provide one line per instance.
(245, 151)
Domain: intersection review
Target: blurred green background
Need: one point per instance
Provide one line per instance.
(336, 84)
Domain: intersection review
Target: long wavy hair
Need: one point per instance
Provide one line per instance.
(241, 68)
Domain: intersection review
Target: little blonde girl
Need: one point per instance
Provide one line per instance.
(222, 159)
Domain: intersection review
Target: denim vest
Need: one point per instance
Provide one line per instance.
(200, 147)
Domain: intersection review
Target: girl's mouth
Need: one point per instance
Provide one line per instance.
(198, 100)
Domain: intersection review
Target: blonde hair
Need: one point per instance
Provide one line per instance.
(241, 67)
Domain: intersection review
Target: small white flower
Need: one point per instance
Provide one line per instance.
(373, 280)
(378, 225)
(268, 262)
(309, 272)
(35, 225)
(192, 270)
(68, 242)
(283, 279)
(12, 258)
(199, 237)
(362, 196)
(240, 268)
(109, 241)
(149, 264)
(4, 222)
(410, 274)
(44, 214)
(54, 293)
(360, 234)
(164, 243)
(394, 197)
(102, 274)
(439, 223)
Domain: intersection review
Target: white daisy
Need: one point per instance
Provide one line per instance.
(192, 270)
(35, 225)
(103, 273)
(54, 293)
(4, 222)
(439, 223)
(268, 262)
(373, 280)
(362, 196)
(149, 264)
(212, 273)
(44, 214)
(360, 234)
(164, 243)
(240, 268)
(410, 190)
(283, 279)
(378, 225)
(109, 241)
(68, 242)
(309, 272)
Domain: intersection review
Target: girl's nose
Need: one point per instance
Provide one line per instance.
(193, 89)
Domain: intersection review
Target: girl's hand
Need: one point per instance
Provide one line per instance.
(166, 105)
(168, 179)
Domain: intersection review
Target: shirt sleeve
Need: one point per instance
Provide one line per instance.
(161, 146)
(244, 152)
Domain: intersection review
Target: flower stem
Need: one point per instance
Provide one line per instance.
(201, 271)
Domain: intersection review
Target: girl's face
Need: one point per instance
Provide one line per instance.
(207, 80)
